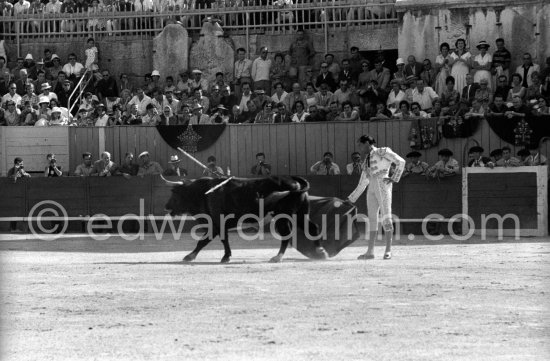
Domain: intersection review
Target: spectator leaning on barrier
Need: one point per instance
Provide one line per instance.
(212, 169)
(147, 166)
(261, 168)
(496, 156)
(174, 168)
(446, 165)
(414, 165)
(52, 168)
(535, 158)
(104, 167)
(18, 170)
(507, 160)
(477, 159)
(325, 166)
(128, 167)
(85, 169)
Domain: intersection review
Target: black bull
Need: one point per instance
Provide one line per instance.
(280, 196)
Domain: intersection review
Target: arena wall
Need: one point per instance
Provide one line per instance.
(290, 148)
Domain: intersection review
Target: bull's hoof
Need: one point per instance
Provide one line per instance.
(225, 259)
(190, 257)
(320, 253)
(277, 259)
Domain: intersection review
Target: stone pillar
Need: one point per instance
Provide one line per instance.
(171, 51)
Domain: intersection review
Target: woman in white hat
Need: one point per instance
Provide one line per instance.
(400, 73)
(102, 118)
(442, 68)
(57, 118)
(44, 111)
(482, 63)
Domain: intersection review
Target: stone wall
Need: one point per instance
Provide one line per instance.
(134, 55)
(524, 28)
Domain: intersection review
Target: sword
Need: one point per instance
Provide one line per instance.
(199, 162)
(219, 185)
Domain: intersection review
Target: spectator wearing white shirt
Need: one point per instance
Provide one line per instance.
(21, 7)
(11, 95)
(424, 95)
(396, 95)
(280, 94)
(241, 71)
(73, 69)
(245, 97)
(198, 81)
(261, 68)
(47, 93)
(141, 101)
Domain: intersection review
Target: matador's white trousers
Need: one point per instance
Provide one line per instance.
(379, 197)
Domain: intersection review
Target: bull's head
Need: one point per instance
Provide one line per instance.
(187, 197)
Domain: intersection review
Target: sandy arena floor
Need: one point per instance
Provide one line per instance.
(79, 299)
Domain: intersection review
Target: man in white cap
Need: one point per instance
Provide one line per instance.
(155, 79)
(261, 68)
(400, 73)
(11, 95)
(175, 170)
(45, 88)
(147, 166)
(30, 66)
(198, 81)
(57, 67)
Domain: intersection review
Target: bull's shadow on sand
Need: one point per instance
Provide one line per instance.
(238, 262)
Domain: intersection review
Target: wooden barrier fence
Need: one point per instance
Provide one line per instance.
(289, 148)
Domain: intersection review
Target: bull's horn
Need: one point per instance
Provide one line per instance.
(171, 182)
(276, 196)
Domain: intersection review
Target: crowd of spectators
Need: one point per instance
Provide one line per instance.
(276, 89)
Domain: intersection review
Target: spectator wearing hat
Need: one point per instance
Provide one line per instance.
(155, 80)
(477, 159)
(11, 95)
(535, 158)
(414, 165)
(507, 160)
(424, 95)
(261, 168)
(446, 165)
(355, 167)
(56, 66)
(147, 166)
(526, 69)
(482, 63)
(260, 71)
(73, 69)
(30, 65)
(326, 166)
(86, 168)
(496, 156)
(12, 115)
(325, 76)
(212, 169)
(102, 116)
(46, 91)
(57, 118)
(220, 115)
(174, 169)
(198, 117)
(198, 82)
(400, 73)
(141, 101)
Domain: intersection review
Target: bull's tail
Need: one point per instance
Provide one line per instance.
(302, 183)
